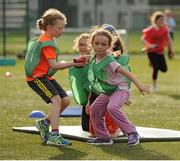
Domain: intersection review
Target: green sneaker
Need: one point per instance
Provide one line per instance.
(44, 130)
(58, 140)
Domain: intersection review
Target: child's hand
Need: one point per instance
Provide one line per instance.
(80, 64)
(171, 54)
(117, 53)
(152, 46)
(128, 102)
(82, 59)
(144, 89)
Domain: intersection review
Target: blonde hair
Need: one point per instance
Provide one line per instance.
(77, 39)
(168, 11)
(49, 17)
(155, 16)
(104, 33)
(117, 41)
(94, 28)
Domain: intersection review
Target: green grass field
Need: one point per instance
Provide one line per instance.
(16, 43)
(159, 110)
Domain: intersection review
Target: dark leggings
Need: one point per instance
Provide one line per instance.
(84, 116)
(84, 119)
(158, 62)
(172, 35)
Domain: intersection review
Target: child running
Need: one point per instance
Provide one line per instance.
(107, 77)
(41, 63)
(155, 39)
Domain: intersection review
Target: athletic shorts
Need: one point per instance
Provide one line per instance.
(46, 88)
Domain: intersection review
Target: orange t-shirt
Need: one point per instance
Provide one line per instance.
(47, 52)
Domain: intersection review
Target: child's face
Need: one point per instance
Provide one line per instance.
(101, 44)
(160, 21)
(57, 29)
(84, 46)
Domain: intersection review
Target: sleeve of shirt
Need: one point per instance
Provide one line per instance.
(165, 39)
(49, 52)
(146, 33)
(113, 66)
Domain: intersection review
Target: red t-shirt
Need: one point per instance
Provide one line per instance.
(47, 52)
(156, 36)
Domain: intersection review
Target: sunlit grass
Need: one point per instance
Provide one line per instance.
(160, 110)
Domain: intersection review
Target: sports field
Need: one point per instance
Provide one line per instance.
(16, 43)
(160, 110)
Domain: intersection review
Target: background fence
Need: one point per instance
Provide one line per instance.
(18, 19)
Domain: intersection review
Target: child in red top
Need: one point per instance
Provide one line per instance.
(155, 39)
(52, 23)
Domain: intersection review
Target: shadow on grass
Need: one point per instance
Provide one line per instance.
(134, 153)
(68, 153)
(174, 96)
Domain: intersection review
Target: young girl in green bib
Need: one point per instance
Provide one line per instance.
(41, 63)
(109, 80)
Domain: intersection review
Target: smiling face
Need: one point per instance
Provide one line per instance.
(101, 44)
(56, 29)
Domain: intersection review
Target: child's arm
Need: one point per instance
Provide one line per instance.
(59, 65)
(149, 46)
(142, 88)
(170, 46)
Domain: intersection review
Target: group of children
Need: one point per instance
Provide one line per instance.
(102, 72)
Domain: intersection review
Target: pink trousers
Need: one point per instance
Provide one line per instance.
(113, 104)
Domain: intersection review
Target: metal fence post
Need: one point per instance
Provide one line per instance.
(4, 27)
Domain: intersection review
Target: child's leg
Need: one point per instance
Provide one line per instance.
(162, 63)
(55, 138)
(98, 111)
(65, 100)
(50, 93)
(55, 112)
(84, 119)
(116, 100)
(65, 103)
(153, 58)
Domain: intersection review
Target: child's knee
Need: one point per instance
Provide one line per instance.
(56, 100)
(163, 69)
(65, 101)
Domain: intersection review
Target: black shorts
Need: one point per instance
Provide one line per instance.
(46, 88)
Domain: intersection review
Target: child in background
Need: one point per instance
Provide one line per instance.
(155, 38)
(41, 63)
(107, 77)
(171, 24)
(78, 77)
(170, 21)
